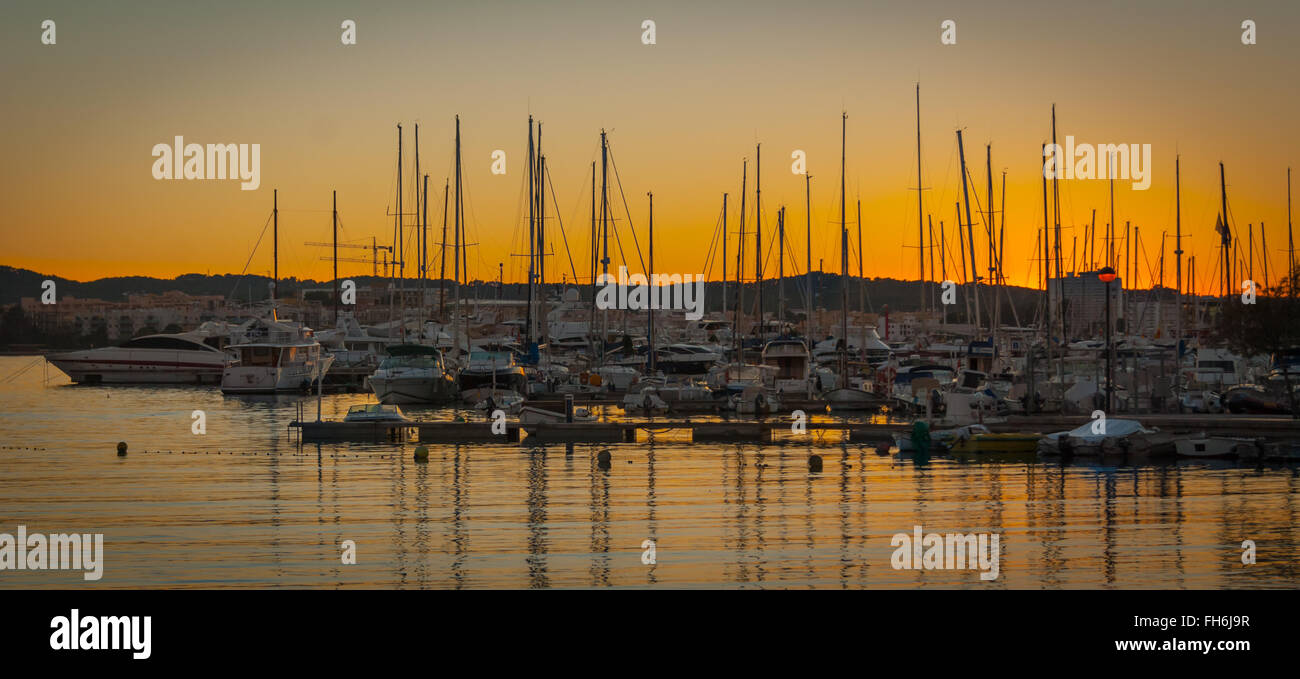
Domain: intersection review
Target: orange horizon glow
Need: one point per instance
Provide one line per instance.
(682, 115)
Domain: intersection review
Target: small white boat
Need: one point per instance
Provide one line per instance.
(375, 412)
(1217, 446)
(645, 401)
(501, 399)
(1117, 437)
(941, 439)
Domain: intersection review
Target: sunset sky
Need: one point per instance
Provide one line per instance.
(82, 116)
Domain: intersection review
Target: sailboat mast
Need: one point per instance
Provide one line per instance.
(1225, 236)
(442, 254)
(780, 268)
(740, 263)
(920, 226)
(604, 228)
(458, 212)
(532, 228)
(758, 238)
(807, 208)
(336, 257)
(1290, 240)
(862, 282)
(844, 259)
(650, 308)
(724, 255)
(970, 235)
(424, 243)
(275, 247)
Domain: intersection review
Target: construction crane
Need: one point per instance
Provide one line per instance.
(374, 260)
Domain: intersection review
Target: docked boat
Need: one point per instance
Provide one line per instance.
(375, 412)
(1118, 437)
(941, 439)
(989, 442)
(491, 373)
(413, 373)
(686, 359)
(854, 398)
(183, 358)
(274, 356)
(793, 364)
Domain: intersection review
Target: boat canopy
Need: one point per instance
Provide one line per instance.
(1112, 428)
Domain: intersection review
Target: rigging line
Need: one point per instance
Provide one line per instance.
(713, 246)
(630, 225)
(551, 182)
(251, 255)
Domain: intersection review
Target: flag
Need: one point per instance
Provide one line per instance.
(1222, 230)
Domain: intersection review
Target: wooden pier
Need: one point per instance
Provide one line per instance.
(749, 431)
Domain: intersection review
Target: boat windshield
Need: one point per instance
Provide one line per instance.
(373, 409)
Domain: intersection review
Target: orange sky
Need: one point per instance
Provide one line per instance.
(83, 115)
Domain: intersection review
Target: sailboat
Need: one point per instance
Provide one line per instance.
(274, 355)
(413, 372)
(846, 397)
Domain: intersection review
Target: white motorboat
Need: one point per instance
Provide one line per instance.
(491, 373)
(1112, 437)
(184, 358)
(793, 364)
(274, 356)
(413, 373)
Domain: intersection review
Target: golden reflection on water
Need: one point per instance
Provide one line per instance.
(244, 506)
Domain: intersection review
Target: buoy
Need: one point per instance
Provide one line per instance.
(814, 463)
(121, 448)
(603, 456)
(421, 453)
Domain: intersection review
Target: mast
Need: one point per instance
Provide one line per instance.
(1046, 267)
(424, 244)
(459, 208)
(929, 219)
(862, 283)
(275, 248)
(780, 265)
(650, 308)
(740, 265)
(844, 261)
(1225, 238)
(1290, 240)
(539, 316)
(532, 232)
(970, 236)
(604, 229)
(724, 255)
(442, 254)
(1056, 218)
(336, 258)
(807, 208)
(758, 237)
(920, 233)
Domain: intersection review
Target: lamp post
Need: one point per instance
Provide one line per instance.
(1107, 275)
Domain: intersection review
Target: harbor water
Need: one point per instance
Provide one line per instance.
(244, 505)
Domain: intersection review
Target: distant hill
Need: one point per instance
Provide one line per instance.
(899, 295)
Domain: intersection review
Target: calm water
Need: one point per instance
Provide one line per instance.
(245, 506)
